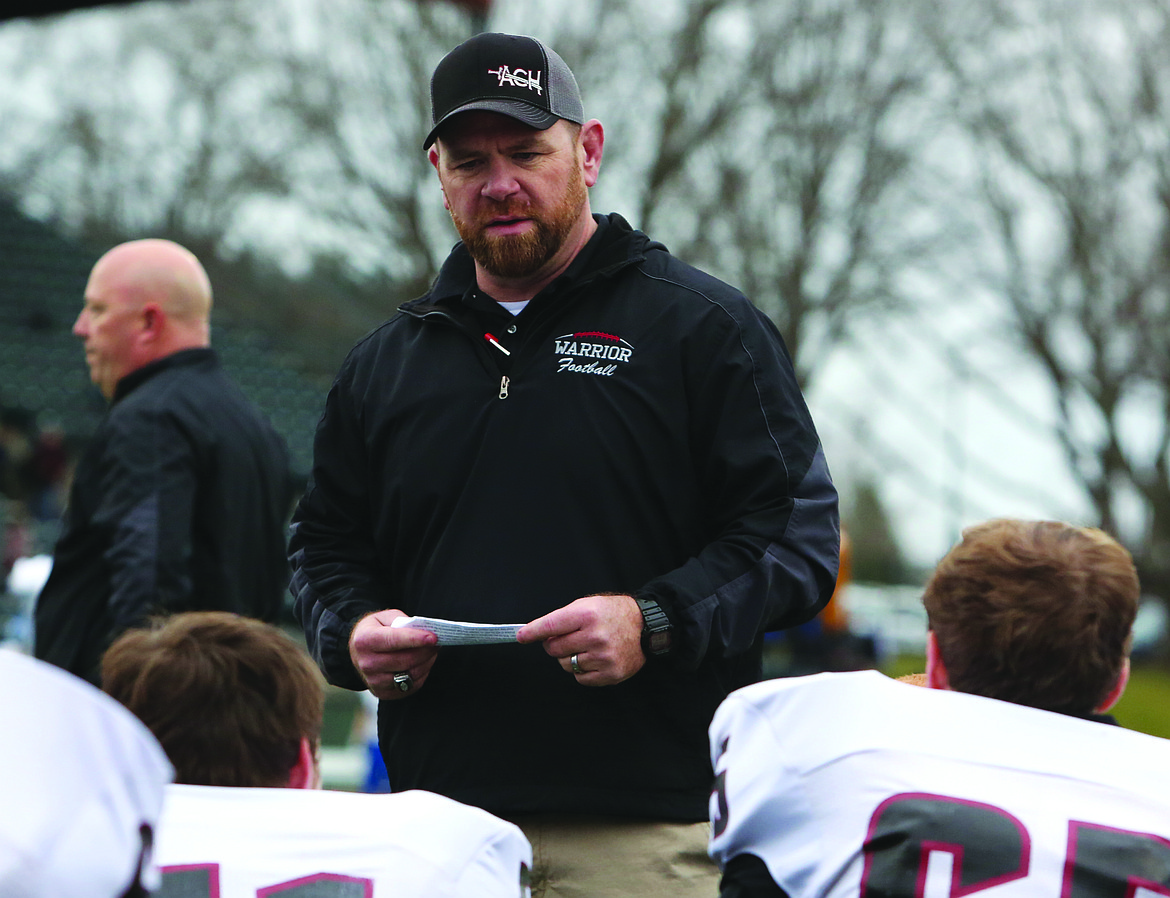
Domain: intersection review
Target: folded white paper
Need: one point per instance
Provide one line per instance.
(454, 632)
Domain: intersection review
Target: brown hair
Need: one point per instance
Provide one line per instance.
(1034, 612)
(230, 698)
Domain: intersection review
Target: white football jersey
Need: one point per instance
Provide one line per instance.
(81, 786)
(225, 842)
(853, 784)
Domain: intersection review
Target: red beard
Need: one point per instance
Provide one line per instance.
(520, 255)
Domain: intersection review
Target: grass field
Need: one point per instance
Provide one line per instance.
(1145, 707)
(1146, 704)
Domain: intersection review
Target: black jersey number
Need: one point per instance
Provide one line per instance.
(990, 846)
(719, 791)
(202, 881)
(1114, 863)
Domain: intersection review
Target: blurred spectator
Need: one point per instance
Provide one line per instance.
(17, 427)
(49, 468)
(17, 538)
(181, 498)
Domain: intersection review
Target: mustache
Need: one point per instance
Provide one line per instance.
(506, 210)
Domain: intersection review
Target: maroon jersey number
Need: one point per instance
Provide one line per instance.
(202, 881)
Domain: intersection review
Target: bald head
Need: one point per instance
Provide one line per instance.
(157, 271)
(145, 300)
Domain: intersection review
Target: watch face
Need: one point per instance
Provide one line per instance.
(659, 641)
(657, 632)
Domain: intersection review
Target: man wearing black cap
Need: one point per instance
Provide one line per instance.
(576, 430)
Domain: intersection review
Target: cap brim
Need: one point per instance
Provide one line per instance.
(533, 116)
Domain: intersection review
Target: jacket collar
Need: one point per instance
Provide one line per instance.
(181, 359)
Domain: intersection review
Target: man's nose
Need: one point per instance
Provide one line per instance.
(501, 181)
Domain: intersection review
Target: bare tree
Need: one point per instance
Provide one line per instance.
(773, 144)
(280, 141)
(1067, 108)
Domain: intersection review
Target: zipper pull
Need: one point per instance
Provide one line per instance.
(504, 387)
(496, 343)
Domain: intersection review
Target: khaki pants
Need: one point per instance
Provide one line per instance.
(602, 857)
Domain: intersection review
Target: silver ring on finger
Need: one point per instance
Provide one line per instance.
(575, 664)
(403, 681)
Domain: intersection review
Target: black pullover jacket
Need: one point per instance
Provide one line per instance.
(646, 435)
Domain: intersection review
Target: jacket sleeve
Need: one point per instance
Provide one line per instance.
(774, 535)
(334, 562)
(148, 487)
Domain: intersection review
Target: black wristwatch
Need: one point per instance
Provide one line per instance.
(657, 630)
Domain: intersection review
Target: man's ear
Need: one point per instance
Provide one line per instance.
(936, 671)
(1118, 688)
(305, 773)
(592, 143)
(433, 156)
(154, 320)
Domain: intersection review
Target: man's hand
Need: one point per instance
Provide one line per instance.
(380, 651)
(603, 632)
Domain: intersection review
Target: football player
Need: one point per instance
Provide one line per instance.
(1004, 776)
(238, 707)
(81, 787)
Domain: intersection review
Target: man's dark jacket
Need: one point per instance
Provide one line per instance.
(178, 503)
(646, 435)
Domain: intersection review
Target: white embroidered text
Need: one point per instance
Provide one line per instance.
(518, 78)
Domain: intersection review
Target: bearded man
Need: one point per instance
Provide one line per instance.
(574, 431)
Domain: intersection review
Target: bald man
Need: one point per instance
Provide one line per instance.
(181, 498)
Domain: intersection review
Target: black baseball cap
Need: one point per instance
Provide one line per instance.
(512, 74)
